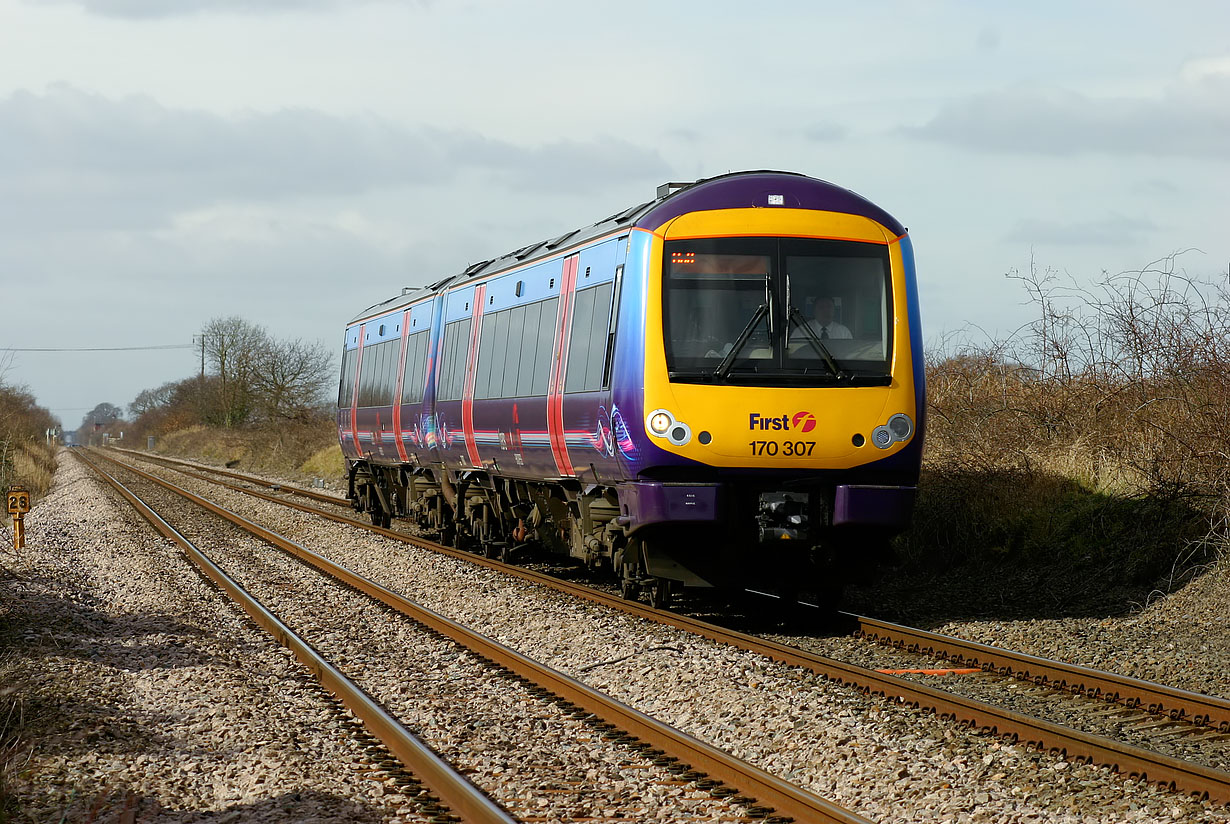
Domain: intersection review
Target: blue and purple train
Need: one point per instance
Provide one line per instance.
(720, 387)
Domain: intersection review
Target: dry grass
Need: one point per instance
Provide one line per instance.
(292, 449)
(1096, 439)
(325, 463)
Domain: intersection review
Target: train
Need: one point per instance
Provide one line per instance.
(721, 387)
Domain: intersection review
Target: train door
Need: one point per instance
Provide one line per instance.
(555, 387)
(451, 376)
(412, 420)
(348, 392)
(588, 415)
(467, 395)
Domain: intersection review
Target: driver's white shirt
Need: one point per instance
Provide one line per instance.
(835, 329)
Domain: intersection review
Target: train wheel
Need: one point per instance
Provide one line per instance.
(629, 589)
(379, 517)
(660, 593)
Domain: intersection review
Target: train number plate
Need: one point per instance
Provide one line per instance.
(787, 449)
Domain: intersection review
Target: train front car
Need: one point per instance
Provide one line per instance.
(780, 434)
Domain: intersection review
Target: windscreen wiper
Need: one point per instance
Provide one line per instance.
(797, 317)
(727, 362)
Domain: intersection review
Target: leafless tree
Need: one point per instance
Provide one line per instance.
(231, 347)
(288, 377)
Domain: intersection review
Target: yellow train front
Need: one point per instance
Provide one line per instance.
(781, 386)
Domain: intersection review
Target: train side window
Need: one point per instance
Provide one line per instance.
(486, 344)
(377, 381)
(598, 337)
(512, 351)
(365, 374)
(588, 341)
(345, 394)
(445, 360)
(388, 387)
(608, 363)
(411, 381)
(382, 376)
(419, 381)
(529, 346)
(578, 344)
(463, 354)
(546, 345)
(452, 355)
(456, 349)
(499, 341)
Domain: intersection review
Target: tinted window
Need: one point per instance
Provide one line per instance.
(365, 375)
(486, 345)
(381, 353)
(512, 351)
(598, 336)
(529, 346)
(546, 345)
(453, 365)
(416, 361)
(578, 342)
(776, 311)
(388, 383)
(345, 394)
(842, 299)
(587, 344)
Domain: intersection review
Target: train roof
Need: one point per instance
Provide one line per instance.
(729, 191)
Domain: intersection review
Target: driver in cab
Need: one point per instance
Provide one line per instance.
(823, 322)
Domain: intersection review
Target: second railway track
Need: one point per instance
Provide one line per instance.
(1186, 777)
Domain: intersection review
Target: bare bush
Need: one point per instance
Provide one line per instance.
(1120, 389)
(1132, 374)
(25, 456)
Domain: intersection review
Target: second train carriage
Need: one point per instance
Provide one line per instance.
(722, 386)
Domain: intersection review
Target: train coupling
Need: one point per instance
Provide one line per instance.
(783, 516)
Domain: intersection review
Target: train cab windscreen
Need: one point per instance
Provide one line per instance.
(777, 311)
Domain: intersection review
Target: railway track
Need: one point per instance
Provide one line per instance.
(1165, 710)
(738, 790)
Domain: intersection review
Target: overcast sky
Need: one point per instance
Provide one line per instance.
(164, 162)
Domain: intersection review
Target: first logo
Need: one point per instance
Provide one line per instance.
(803, 421)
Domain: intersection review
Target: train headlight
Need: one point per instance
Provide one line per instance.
(660, 422)
(901, 426)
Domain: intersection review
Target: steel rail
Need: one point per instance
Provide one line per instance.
(1128, 760)
(1180, 705)
(783, 797)
(446, 783)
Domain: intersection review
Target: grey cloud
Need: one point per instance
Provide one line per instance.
(1113, 230)
(563, 166)
(1156, 187)
(77, 159)
(988, 39)
(825, 132)
(1188, 121)
(157, 9)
